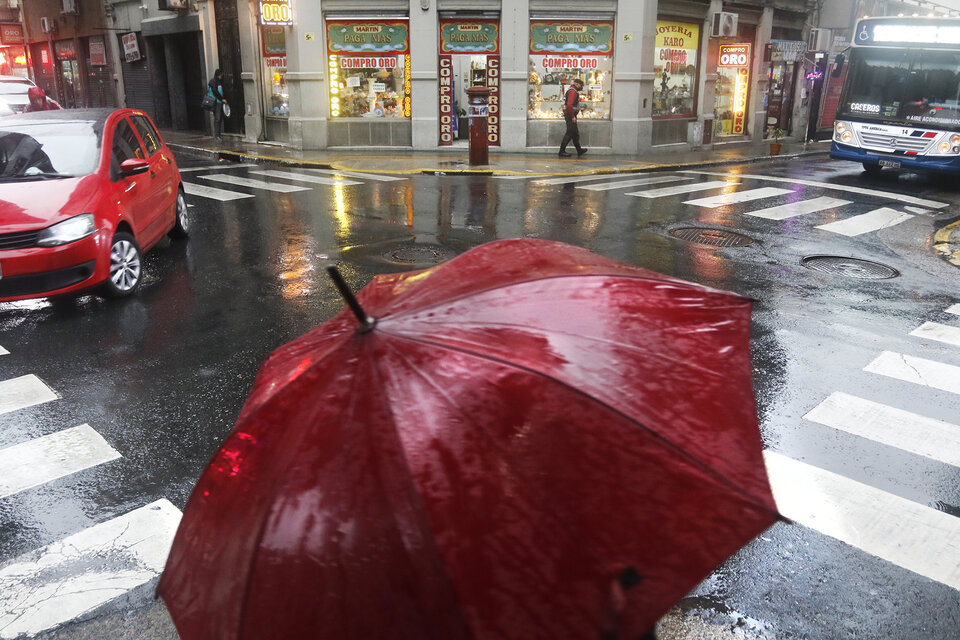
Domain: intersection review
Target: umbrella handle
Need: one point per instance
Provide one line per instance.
(366, 322)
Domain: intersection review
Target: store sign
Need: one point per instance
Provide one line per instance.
(676, 45)
(98, 52)
(787, 50)
(475, 36)
(367, 37)
(64, 50)
(363, 62)
(276, 12)
(274, 41)
(569, 62)
(587, 36)
(11, 34)
(734, 55)
(131, 48)
(276, 62)
(493, 101)
(447, 115)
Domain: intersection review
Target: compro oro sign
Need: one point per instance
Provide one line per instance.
(734, 55)
(276, 12)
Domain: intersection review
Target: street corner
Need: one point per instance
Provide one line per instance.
(946, 242)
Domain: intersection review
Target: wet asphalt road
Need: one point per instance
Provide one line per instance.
(162, 376)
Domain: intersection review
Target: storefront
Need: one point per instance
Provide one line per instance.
(13, 54)
(469, 57)
(368, 66)
(675, 61)
(784, 60)
(274, 74)
(68, 74)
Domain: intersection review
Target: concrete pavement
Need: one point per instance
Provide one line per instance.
(455, 161)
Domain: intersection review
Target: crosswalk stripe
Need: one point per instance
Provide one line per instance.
(917, 210)
(4, 352)
(894, 427)
(871, 221)
(928, 373)
(357, 174)
(939, 332)
(606, 186)
(886, 195)
(303, 177)
(220, 167)
(736, 197)
(803, 207)
(955, 309)
(907, 534)
(203, 191)
(66, 579)
(47, 458)
(574, 179)
(22, 392)
(254, 184)
(683, 188)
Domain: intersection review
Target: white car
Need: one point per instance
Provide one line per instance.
(13, 91)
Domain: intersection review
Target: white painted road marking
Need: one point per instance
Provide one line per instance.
(606, 186)
(64, 580)
(738, 196)
(521, 177)
(223, 195)
(911, 432)
(872, 221)
(683, 188)
(954, 308)
(909, 535)
(221, 167)
(917, 210)
(25, 391)
(887, 195)
(254, 184)
(573, 179)
(4, 352)
(60, 454)
(928, 373)
(357, 174)
(303, 177)
(791, 209)
(939, 332)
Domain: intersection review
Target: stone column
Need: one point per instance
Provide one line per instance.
(306, 78)
(761, 83)
(633, 76)
(514, 76)
(250, 76)
(424, 107)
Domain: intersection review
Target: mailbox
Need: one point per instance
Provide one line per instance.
(477, 112)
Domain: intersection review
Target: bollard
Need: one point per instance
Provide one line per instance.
(477, 112)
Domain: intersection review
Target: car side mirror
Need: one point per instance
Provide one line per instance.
(837, 66)
(133, 166)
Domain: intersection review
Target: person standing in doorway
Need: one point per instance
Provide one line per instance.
(571, 107)
(215, 88)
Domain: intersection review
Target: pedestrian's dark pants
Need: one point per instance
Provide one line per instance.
(572, 134)
(217, 119)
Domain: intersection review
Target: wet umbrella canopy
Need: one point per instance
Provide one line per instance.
(531, 441)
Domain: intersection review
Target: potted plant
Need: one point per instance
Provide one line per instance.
(776, 145)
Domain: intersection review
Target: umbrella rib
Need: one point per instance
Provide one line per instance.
(476, 292)
(682, 452)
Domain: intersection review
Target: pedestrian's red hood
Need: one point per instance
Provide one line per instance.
(34, 204)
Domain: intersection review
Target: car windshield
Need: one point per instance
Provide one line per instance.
(13, 87)
(904, 86)
(47, 149)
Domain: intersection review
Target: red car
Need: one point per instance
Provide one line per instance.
(83, 193)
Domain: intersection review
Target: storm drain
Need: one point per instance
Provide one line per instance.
(711, 237)
(419, 254)
(850, 267)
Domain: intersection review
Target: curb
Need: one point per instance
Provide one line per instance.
(242, 156)
(946, 242)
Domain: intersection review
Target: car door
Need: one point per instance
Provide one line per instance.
(162, 171)
(134, 193)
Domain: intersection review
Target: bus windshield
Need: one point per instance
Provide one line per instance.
(904, 86)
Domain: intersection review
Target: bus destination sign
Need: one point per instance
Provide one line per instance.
(904, 32)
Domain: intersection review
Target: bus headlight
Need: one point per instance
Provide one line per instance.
(944, 147)
(955, 140)
(842, 132)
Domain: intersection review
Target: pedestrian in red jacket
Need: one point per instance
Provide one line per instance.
(571, 107)
(39, 100)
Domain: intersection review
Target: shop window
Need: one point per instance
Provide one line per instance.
(275, 72)
(563, 51)
(676, 55)
(369, 69)
(733, 89)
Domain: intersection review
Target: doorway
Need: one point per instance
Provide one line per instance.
(469, 57)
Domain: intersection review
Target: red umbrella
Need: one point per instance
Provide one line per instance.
(529, 441)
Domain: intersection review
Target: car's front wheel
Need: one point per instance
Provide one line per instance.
(181, 227)
(126, 269)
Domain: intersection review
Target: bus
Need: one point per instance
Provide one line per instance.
(900, 102)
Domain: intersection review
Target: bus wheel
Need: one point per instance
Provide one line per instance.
(872, 169)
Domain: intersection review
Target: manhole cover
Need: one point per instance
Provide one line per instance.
(419, 254)
(850, 267)
(712, 237)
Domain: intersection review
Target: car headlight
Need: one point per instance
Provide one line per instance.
(70, 230)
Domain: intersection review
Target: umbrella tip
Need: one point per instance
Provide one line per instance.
(366, 323)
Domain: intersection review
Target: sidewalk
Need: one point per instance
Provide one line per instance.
(456, 161)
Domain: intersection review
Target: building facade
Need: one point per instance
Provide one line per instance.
(658, 76)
